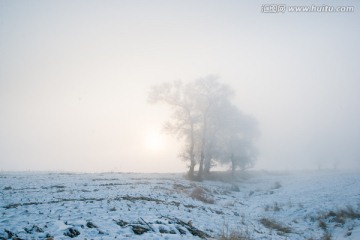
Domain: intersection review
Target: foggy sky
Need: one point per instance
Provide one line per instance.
(74, 77)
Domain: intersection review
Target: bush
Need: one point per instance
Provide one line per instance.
(201, 195)
(234, 188)
(277, 185)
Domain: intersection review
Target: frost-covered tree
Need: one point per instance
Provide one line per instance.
(236, 138)
(210, 97)
(230, 139)
(210, 125)
(184, 115)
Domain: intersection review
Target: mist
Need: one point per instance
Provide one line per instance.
(75, 75)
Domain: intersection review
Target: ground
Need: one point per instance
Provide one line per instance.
(259, 205)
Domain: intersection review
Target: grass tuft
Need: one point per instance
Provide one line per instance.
(272, 224)
(234, 234)
(341, 215)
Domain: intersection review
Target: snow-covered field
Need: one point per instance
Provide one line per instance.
(262, 205)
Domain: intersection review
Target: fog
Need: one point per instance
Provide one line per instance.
(75, 75)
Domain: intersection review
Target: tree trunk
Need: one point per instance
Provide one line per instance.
(192, 155)
(207, 166)
(203, 144)
(191, 170)
(201, 166)
(192, 164)
(208, 158)
(233, 165)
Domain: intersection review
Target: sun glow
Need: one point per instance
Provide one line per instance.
(154, 141)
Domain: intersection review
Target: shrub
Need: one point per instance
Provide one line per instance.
(201, 195)
(234, 188)
(277, 185)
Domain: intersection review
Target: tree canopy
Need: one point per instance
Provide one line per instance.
(213, 130)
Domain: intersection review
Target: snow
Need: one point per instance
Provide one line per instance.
(42, 205)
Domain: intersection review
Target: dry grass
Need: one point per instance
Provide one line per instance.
(341, 215)
(322, 225)
(181, 189)
(275, 207)
(236, 236)
(228, 234)
(201, 195)
(326, 236)
(272, 224)
(226, 176)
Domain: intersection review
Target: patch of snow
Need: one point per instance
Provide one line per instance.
(116, 205)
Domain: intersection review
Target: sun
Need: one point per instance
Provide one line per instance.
(154, 141)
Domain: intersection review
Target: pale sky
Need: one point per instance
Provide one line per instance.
(74, 77)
